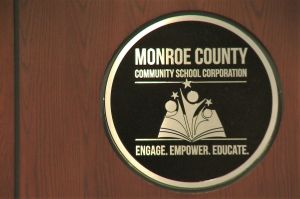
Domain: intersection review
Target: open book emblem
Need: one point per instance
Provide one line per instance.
(190, 118)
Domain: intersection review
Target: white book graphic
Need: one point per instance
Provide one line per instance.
(190, 120)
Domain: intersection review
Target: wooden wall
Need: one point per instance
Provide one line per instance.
(64, 46)
(7, 119)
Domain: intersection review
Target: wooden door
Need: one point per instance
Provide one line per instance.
(53, 56)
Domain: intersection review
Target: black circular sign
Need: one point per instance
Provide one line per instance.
(191, 101)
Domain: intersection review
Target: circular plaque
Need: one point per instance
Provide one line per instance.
(191, 101)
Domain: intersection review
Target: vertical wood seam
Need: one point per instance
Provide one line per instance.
(16, 98)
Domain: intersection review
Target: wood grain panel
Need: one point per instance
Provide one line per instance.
(65, 46)
(6, 100)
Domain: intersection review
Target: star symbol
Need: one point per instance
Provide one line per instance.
(174, 95)
(187, 83)
(208, 102)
